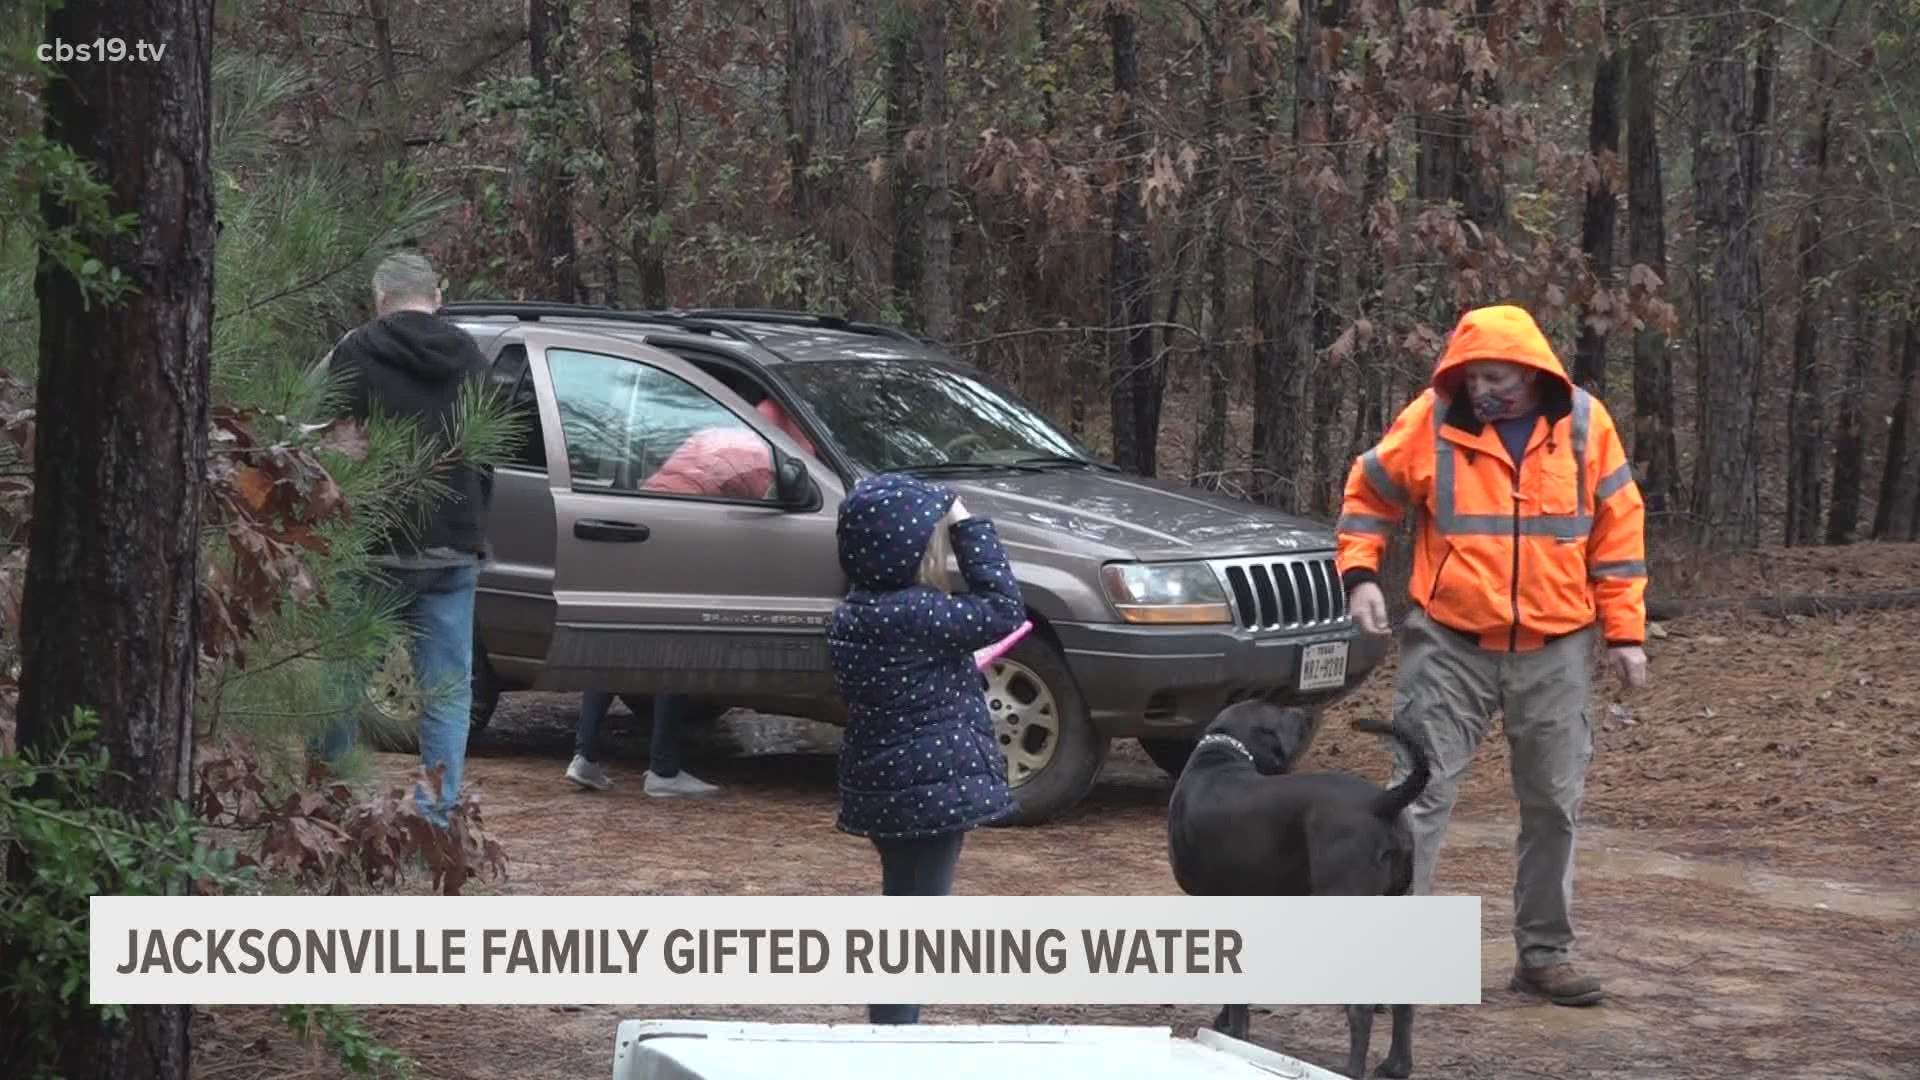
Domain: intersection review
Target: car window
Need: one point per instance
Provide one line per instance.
(512, 378)
(889, 415)
(631, 427)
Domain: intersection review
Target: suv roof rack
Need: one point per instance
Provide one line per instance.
(536, 310)
(801, 318)
(703, 320)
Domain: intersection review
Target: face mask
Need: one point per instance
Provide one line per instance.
(1500, 404)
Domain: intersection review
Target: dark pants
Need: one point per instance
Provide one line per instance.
(923, 866)
(663, 749)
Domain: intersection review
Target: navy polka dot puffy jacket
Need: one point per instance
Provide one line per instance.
(919, 756)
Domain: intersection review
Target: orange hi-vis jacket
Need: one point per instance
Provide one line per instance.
(1513, 559)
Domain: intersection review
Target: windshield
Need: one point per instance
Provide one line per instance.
(889, 415)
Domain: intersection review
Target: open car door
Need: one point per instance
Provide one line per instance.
(694, 546)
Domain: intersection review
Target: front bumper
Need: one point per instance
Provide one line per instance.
(1163, 681)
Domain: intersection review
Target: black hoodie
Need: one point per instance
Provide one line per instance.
(410, 365)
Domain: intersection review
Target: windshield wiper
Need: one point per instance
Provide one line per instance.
(1039, 460)
(971, 466)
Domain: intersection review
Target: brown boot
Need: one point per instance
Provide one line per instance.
(1559, 983)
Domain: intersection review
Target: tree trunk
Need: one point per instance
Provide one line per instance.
(1806, 424)
(1895, 508)
(1849, 442)
(936, 278)
(1732, 100)
(551, 54)
(387, 129)
(909, 199)
(1214, 197)
(1043, 28)
(1656, 451)
(1445, 169)
(1270, 356)
(1371, 372)
(1329, 382)
(1448, 171)
(1133, 378)
(1287, 435)
(1178, 267)
(1597, 223)
(1485, 188)
(649, 228)
(1079, 361)
(821, 118)
(1442, 166)
(1913, 518)
(110, 615)
(383, 47)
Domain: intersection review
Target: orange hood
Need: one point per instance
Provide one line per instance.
(1502, 332)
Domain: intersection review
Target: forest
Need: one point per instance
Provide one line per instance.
(1223, 242)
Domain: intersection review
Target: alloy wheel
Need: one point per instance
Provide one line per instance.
(393, 692)
(1026, 719)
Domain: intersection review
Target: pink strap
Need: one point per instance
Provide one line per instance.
(995, 651)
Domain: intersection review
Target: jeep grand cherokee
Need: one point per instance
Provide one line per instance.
(1154, 604)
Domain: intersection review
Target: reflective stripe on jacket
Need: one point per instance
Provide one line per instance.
(1512, 561)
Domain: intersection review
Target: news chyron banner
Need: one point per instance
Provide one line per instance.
(785, 950)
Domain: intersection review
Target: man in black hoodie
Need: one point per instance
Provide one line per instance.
(410, 364)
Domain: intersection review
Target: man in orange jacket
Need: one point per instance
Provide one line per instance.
(1530, 542)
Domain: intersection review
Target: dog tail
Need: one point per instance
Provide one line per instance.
(1397, 798)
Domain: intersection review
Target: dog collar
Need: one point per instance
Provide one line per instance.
(1226, 740)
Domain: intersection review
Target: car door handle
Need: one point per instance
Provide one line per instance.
(616, 532)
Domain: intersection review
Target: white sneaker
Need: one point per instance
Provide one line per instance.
(679, 784)
(588, 774)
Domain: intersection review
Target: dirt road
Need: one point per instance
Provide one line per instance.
(1748, 886)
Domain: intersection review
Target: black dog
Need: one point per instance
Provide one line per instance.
(1241, 824)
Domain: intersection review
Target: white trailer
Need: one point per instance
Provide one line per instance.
(722, 1050)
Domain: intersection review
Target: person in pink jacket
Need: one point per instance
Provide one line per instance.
(729, 461)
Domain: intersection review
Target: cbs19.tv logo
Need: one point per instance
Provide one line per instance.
(101, 49)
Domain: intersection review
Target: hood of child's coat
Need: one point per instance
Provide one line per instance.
(885, 524)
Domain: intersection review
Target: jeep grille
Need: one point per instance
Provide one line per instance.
(1284, 592)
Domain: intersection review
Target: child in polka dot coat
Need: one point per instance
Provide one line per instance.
(919, 765)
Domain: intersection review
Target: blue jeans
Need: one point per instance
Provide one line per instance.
(923, 866)
(663, 749)
(437, 605)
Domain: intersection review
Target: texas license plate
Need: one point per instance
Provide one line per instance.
(1323, 666)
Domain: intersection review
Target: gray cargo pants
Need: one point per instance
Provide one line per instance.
(1448, 688)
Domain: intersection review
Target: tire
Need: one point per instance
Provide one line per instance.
(395, 700)
(390, 721)
(1170, 754)
(1053, 752)
(486, 689)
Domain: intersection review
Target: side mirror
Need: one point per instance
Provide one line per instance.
(793, 488)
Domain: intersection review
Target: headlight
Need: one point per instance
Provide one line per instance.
(1166, 593)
